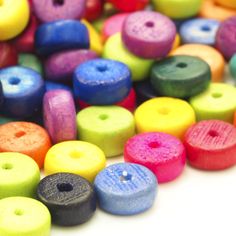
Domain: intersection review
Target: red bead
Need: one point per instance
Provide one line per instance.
(93, 10)
(129, 5)
(8, 55)
(25, 41)
(211, 145)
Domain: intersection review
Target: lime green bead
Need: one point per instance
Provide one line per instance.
(19, 175)
(177, 9)
(22, 216)
(30, 61)
(115, 50)
(217, 102)
(108, 127)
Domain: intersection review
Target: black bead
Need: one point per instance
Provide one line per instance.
(70, 198)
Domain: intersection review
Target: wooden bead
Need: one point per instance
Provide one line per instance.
(1, 95)
(176, 43)
(61, 35)
(23, 90)
(217, 102)
(232, 66)
(54, 86)
(143, 34)
(210, 9)
(180, 76)
(125, 189)
(225, 38)
(53, 10)
(102, 82)
(69, 198)
(209, 54)
(25, 137)
(19, 175)
(59, 115)
(29, 217)
(8, 55)
(162, 153)
(115, 50)
(178, 9)
(93, 9)
(130, 6)
(227, 3)
(108, 127)
(211, 145)
(13, 22)
(168, 115)
(77, 157)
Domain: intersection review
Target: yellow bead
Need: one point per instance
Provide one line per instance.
(164, 114)
(77, 157)
(176, 43)
(14, 17)
(95, 39)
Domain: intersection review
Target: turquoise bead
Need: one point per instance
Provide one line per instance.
(232, 66)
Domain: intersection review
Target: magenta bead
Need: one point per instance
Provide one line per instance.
(162, 153)
(226, 38)
(148, 34)
(61, 66)
(52, 10)
(59, 115)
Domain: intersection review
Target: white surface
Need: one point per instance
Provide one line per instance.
(198, 203)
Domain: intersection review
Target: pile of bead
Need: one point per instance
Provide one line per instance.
(84, 81)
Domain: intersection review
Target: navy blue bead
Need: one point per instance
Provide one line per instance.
(102, 82)
(200, 31)
(61, 35)
(125, 189)
(23, 91)
(1, 94)
(53, 86)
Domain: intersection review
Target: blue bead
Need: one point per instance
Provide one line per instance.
(23, 91)
(232, 66)
(125, 189)
(61, 35)
(53, 85)
(102, 82)
(200, 31)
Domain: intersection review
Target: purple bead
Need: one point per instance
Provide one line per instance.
(59, 115)
(52, 10)
(148, 34)
(61, 66)
(226, 38)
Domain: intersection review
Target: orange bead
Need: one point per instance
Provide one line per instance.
(209, 54)
(25, 137)
(211, 10)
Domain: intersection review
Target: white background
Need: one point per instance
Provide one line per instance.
(196, 203)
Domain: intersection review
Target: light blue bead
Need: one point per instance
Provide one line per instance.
(200, 31)
(125, 189)
(232, 66)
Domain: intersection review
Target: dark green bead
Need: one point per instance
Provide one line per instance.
(180, 76)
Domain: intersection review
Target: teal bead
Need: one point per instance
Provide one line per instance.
(180, 76)
(4, 120)
(30, 61)
(232, 66)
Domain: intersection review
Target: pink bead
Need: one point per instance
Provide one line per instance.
(148, 34)
(52, 10)
(113, 25)
(128, 103)
(59, 115)
(162, 153)
(60, 66)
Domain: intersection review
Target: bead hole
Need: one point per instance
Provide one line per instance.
(102, 68)
(181, 65)
(103, 117)
(154, 145)
(20, 134)
(14, 81)
(7, 166)
(58, 2)
(205, 28)
(213, 133)
(149, 24)
(75, 154)
(216, 95)
(163, 111)
(19, 212)
(125, 176)
(64, 187)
